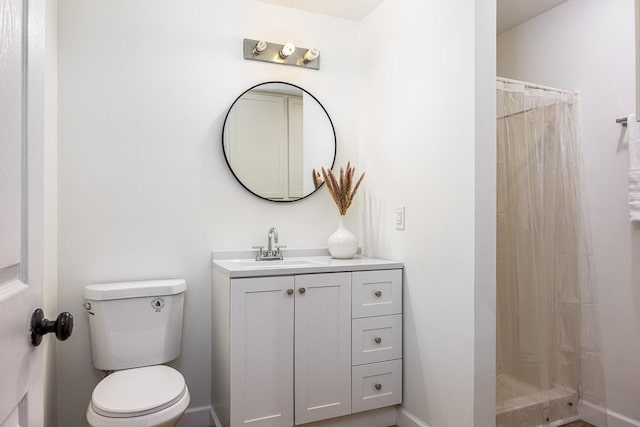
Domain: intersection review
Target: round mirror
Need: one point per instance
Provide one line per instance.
(274, 136)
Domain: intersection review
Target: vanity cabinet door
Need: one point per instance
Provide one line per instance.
(322, 346)
(262, 315)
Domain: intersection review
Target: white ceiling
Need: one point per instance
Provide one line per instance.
(512, 13)
(354, 10)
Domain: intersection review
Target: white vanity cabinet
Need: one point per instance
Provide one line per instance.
(377, 339)
(322, 350)
(261, 350)
(296, 348)
(285, 321)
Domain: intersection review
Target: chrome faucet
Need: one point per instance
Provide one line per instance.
(272, 238)
(273, 251)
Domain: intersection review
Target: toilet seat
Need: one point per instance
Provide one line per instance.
(138, 391)
(168, 417)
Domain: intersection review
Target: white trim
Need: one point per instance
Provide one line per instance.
(637, 46)
(35, 192)
(592, 413)
(561, 422)
(600, 416)
(215, 422)
(405, 418)
(197, 417)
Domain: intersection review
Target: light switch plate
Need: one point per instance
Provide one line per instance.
(399, 218)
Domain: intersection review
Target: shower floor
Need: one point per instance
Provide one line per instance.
(520, 404)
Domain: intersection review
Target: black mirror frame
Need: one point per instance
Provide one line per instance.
(224, 152)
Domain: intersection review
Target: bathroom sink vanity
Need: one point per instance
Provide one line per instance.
(308, 339)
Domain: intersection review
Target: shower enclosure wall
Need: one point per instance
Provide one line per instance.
(540, 257)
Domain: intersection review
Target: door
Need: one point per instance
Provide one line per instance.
(262, 351)
(258, 143)
(296, 147)
(21, 213)
(322, 346)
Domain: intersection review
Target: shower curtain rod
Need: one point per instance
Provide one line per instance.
(535, 86)
(518, 112)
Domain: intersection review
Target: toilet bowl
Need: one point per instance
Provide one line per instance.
(153, 396)
(135, 328)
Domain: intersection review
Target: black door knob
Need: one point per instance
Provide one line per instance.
(62, 326)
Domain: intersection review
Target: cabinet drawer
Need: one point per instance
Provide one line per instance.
(376, 339)
(376, 293)
(376, 385)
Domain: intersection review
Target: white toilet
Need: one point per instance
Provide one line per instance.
(135, 327)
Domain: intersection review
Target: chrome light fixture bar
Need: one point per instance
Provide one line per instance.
(285, 54)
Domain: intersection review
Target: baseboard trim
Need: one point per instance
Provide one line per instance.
(197, 417)
(405, 418)
(215, 422)
(561, 422)
(599, 416)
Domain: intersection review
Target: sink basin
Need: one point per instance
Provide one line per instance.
(283, 263)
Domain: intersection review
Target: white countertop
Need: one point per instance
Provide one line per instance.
(318, 261)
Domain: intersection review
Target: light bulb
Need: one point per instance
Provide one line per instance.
(287, 50)
(311, 55)
(259, 47)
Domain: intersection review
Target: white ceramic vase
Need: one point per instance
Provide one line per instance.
(343, 244)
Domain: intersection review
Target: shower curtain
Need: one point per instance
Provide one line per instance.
(543, 257)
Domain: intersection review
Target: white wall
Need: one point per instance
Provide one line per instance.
(144, 191)
(418, 136)
(588, 45)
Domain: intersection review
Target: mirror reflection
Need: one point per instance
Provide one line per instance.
(274, 136)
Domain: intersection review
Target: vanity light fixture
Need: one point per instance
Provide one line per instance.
(287, 50)
(285, 54)
(310, 55)
(259, 47)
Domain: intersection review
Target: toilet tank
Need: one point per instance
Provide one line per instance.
(134, 324)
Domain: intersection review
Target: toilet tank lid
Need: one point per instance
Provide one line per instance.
(137, 289)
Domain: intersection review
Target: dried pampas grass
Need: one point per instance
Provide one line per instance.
(341, 189)
(317, 180)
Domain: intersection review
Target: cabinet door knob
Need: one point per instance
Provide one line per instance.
(289, 291)
(378, 387)
(378, 294)
(378, 340)
(302, 290)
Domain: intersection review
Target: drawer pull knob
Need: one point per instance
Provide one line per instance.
(289, 291)
(378, 294)
(378, 340)
(378, 387)
(302, 290)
